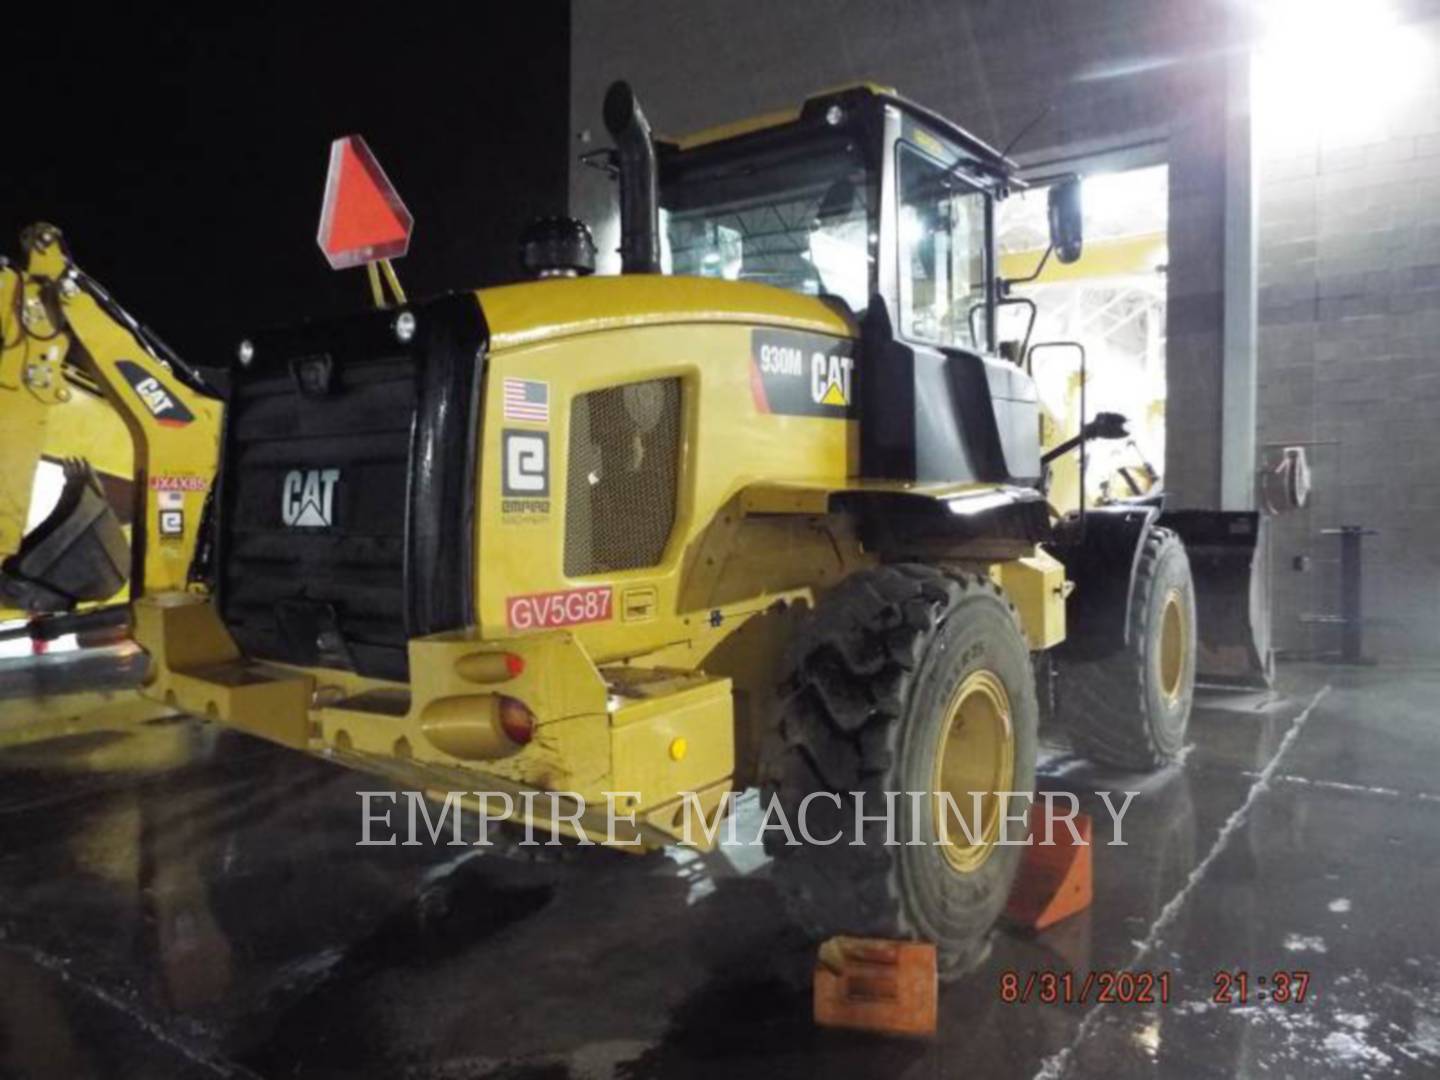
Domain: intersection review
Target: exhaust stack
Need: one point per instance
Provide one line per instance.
(639, 210)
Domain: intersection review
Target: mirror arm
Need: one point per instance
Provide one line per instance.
(1005, 283)
(1106, 425)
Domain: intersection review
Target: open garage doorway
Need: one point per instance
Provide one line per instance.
(1112, 302)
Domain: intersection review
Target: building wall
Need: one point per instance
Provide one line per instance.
(1350, 358)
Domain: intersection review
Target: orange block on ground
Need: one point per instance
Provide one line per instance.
(1055, 880)
(871, 984)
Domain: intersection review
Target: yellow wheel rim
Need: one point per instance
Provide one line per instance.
(1174, 646)
(976, 754)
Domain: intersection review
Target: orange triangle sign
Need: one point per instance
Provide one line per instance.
(362, 219)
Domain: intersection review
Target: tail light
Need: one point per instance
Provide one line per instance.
(516, 720)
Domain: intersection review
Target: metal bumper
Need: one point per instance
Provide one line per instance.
(653, 735)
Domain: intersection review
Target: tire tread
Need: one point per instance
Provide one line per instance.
(1103, 702)
(840, 725)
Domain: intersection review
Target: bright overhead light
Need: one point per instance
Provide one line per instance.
(1333, 68)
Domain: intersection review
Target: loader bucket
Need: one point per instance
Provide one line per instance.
(78, 553)
(1230, 565)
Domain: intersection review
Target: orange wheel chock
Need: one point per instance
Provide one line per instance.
(1055, 880)
(871, 984)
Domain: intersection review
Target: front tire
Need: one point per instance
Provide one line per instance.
(905, 679)
(1131, 709)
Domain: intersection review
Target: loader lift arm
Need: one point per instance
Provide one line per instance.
(64, 342)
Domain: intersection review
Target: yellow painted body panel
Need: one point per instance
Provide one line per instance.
(599, 732)
(730, 130)
(1036, 585)
(22, 441)
(681, 739)
(726, 446)
(32, 383)
(89, 427)
(161, 452)
(564, 307)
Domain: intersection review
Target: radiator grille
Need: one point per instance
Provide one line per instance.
(355, 566)
(621, 487)
(344, 523)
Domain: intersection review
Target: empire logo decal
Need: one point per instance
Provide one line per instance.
(307, 498)
(172, 524)
(796, 374)
(163, 405)
(525, 481)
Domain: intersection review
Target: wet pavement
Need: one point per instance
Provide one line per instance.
(178, 901)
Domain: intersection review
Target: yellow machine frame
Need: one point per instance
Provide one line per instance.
(661, 697)
(59, 359)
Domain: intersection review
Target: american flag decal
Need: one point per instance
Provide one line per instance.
(526, 399)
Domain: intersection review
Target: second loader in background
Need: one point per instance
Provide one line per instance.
(107, 449)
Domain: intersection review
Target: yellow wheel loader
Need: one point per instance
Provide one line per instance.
(108, 445)
(763, 509)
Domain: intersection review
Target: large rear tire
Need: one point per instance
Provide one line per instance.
(904, 679)
(1131, 709)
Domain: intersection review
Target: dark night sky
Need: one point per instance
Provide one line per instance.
(184, 157)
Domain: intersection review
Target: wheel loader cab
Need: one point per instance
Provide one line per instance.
(885, 211)
(858, 194)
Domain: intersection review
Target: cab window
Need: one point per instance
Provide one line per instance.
(942, 253)
(796, 216)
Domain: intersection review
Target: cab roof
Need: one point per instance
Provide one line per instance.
(870, 95)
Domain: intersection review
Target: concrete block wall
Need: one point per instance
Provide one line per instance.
(1195, 281)
(1349, 357)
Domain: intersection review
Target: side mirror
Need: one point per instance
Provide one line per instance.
(1067, 229)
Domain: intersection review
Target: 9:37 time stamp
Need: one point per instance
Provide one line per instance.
(1280, 987)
